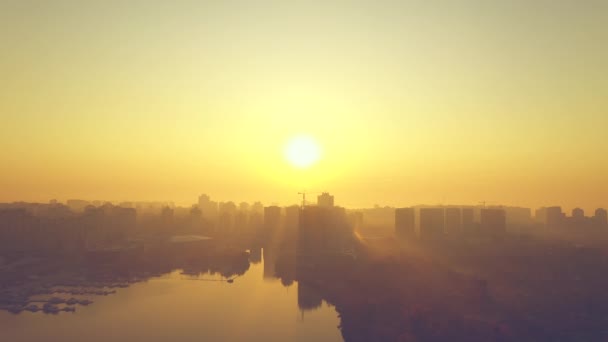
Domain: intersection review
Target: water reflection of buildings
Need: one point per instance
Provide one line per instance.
(270, 259)
(308, 298)
(301, 244)
(255, 255)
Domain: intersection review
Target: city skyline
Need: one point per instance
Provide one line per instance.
(272, 170)
(298, 202)
(210, 207)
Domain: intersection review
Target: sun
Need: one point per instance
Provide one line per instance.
(302, 151)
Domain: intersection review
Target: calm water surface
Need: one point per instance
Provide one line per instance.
(175, 308)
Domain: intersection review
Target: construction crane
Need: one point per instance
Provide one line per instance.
(484, 203)
(304, 193)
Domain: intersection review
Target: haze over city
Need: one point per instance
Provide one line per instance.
(358, 171)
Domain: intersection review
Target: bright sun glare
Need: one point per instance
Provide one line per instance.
(302, 151)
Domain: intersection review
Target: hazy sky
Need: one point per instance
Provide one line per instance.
(411, 101)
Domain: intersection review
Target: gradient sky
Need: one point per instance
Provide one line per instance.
(412, 101)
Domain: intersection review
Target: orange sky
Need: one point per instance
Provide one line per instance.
(411, 102)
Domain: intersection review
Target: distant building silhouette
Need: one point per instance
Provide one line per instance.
(518, 217)
(272, 222)
(551, 217)
(324, 229)
(166, 217)
(325, 200)
(195, 216)
(208, 207)
(555, 217)
(55, 229)
(256, 217)
(578, 220)
(272, 216)
(405, 222)
(468, 219)
(77, 205)
(453, 220)
(227, 214)
(244, 207)
(493, 221)
(540, 215)
(292, 219)
(241, 221)
(432, 223)
(601, 217)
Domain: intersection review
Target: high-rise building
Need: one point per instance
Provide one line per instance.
(578, 219)
(554, 217)
(601, 217)
(432, 223)
(550, 217)
(292, 219)
(77, 205)
(256, 217)
(453, 220)
(166, 217)
(325, 200)
(405, 223)
(258, 208)
(314, 223)
(244, 207)
(518, 217)
(324, 229)
(241, 220)
(272, 216)
(540, 215)
(194, 218)
(578, 213)
(209, 208)
(227, 215)
(493, 221)
(272, 222)
(468, 219)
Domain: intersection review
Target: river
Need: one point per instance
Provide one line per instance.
(179, 307)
